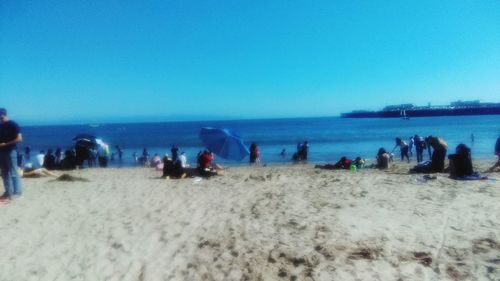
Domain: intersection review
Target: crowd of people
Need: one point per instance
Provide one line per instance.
(176, 165)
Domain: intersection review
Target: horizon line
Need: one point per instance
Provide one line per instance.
(179, 121)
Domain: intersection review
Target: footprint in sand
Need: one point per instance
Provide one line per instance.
(423, 258)
(481, 246)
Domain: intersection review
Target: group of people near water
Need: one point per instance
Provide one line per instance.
(49, 160)
(176, 165)
(460, 163)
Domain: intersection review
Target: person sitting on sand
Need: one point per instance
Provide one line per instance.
(205, 164)
(164, 161)
(172, 169)
(342, 164)
(49, 161)
(383, 159)
(29, 172)
(69, 160)
(403, 148)
(439, 147)
(436, 165)
(156, 160)
(359, 163)
(461, 162)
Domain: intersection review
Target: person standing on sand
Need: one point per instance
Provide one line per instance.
(175, 153)
(404, 149)
(58, 156)
(27, 152)
(120, 152)
(304, 151)
(183, 159)
(419, 147)
(10, 136)
(145, 156)
(254, 154)
(411, 143)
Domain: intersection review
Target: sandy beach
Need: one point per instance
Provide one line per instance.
(264, 223)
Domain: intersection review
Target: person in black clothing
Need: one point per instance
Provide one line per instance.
(175, 153)
(461, 162)
(120, 152)
(168, 166)
(49, 162)
(58, 156)
(69, 162)
(342, 164)
(403, 148)
(172, 169)
(304, 151)
(10, 136)
(145, 156)
(438, 155)
(254, 153)
(436, 165)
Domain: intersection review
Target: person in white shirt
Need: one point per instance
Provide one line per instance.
(40, 159)
(183, 160)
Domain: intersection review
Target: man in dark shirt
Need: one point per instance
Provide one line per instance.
(10, 135)
(49, 161)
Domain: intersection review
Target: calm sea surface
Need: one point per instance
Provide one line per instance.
(329, 138)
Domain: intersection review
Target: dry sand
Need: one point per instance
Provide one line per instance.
(266, 223)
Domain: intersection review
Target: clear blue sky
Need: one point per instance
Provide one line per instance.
(71, 61)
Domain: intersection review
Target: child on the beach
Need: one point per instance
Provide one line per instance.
(404, 149)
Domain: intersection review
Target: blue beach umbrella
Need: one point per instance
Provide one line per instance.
(224, 143)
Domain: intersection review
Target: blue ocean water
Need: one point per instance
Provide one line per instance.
(329, 138)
